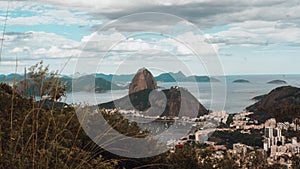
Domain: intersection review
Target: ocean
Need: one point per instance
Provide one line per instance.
(237, 95)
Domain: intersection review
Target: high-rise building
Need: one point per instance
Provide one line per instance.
(273, 136)
(269, 132)
(277, 132)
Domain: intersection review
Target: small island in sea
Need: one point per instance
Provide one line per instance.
(277, 82)
(241, 81)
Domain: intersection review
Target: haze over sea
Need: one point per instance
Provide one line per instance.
(238, 94)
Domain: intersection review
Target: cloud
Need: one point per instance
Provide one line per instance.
(31, 13)
(257, 33)
(11, 63)
(115, 43)
(38, 45)
(248, 19)
(248, 23)
(206, 13)
(252, 22)
(34, 45)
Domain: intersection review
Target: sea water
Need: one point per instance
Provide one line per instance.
(237, 96)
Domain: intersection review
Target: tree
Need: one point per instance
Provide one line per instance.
(256, 159)
(184, 157)
(45, 82)
(295, 162)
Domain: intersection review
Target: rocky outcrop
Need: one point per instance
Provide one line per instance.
(142, 80)
(173, 102)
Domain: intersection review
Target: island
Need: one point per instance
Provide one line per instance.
(241, 81)
(277, 82)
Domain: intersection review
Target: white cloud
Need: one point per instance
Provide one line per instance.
(42, 45)
(20, 49)
(118, 44)
(42, 13)
(11, 63)
(251, 23)
(257, 33)
(38, 45)
(204, 12)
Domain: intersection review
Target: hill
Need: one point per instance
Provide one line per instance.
(258, 98)
(170, 102)
(180, 77)
(87, 83)
(91, 84)
(11, 77)
(282, 103)
(170, 77)
(115, 78)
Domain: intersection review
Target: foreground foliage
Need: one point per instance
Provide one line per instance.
(33, 135)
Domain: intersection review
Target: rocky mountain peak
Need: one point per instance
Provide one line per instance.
(142, 80)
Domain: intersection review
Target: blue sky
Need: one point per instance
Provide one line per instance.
(98, 36)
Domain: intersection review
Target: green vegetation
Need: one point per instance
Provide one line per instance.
(289, 134)
(33, 137)
(41, 82)
(282, 103)
(36, 137)
(228, 138)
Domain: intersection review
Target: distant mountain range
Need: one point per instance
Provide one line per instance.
(87, 83)
(180, 77)
(11, 77)
(115, 78)
(164, 77)
(105, 82)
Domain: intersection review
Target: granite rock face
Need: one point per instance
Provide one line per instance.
(142, 80)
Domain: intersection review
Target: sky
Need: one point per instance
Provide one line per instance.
(211, 37)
